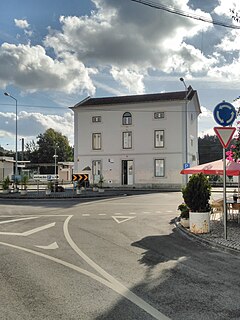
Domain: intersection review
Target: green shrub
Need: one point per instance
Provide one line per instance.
(197, 193)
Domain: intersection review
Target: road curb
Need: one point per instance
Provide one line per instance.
(206, 242)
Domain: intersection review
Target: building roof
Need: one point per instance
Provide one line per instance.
(166, 96)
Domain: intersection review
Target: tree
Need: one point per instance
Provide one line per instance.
(209, 148)
(47, 143)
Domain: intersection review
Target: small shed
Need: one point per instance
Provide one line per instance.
(65, 170)
(6, 167)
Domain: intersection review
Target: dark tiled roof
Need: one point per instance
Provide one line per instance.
(179, 95)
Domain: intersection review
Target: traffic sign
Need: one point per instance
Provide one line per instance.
(186, 165)
(225, 135)
(80, 177)
(224, 114)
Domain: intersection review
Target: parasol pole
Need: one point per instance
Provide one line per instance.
(224, 196)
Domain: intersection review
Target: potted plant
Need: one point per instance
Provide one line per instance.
(100, 183)
(79, 187)
(5, 185)
(184, 215)
(24, 181)
(49, 187)
(95, 187)
(196, 196)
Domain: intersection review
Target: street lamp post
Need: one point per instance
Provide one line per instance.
(55, 166)
(16, 151)
(186, 126)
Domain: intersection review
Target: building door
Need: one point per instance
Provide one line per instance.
(96, 170)
(127, 172)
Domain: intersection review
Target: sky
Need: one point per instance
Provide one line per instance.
(55, 53)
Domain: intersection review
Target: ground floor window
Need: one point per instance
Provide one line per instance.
(159, 167)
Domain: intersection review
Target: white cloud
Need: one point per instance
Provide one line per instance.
(22, 24)
(39, 124)
(127, 36)
(31, 69)
(130, 79)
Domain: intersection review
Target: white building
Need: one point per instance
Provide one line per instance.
(6, 167)
(137, 140)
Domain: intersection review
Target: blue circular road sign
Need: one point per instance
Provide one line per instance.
(224, 114)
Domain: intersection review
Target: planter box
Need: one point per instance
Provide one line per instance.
(48, 191)
(78, 191)
(185, 222)
(199, 222)
(6, 191)
(23, 192)
(101, 190)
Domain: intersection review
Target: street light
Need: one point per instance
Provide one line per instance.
(16, 151)
(55, 166)
(186, 126)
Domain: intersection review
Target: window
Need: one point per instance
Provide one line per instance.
(159, 115)
(159, 138)
(127, 140)
(127, 118)
(96, 119)
(96, 141)
(159, 167)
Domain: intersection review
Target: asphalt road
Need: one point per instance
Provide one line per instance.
(110, 259)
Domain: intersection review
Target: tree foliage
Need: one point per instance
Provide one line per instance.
(47, 144)
(209, 149)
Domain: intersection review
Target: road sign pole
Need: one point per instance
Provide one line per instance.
(224, 195)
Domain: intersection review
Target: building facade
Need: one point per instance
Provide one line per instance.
(138, 140)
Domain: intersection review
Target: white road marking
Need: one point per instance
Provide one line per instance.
(132, 212)
(120, 219)
(146, 212)
(51, 246)
(102, 214)
(169, 211)
(15, 220)
(112, 282)
(28, 233)
(85, 214)
(117, 213)
(158, 211)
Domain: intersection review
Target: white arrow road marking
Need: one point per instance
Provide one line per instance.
(15, 220)
(120, 219)
(28, 233)
(51, 246)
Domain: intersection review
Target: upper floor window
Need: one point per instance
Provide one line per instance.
(127, 118)
(127, 140)
(159, 115)
(96, 119)
(96, 141)
(159, 138)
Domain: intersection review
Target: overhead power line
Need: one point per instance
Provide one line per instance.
(182, 13)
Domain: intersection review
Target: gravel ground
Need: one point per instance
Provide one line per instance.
(216, 234)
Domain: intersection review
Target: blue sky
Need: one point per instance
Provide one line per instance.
(55, 53)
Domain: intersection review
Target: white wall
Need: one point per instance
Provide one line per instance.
(143, 152)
